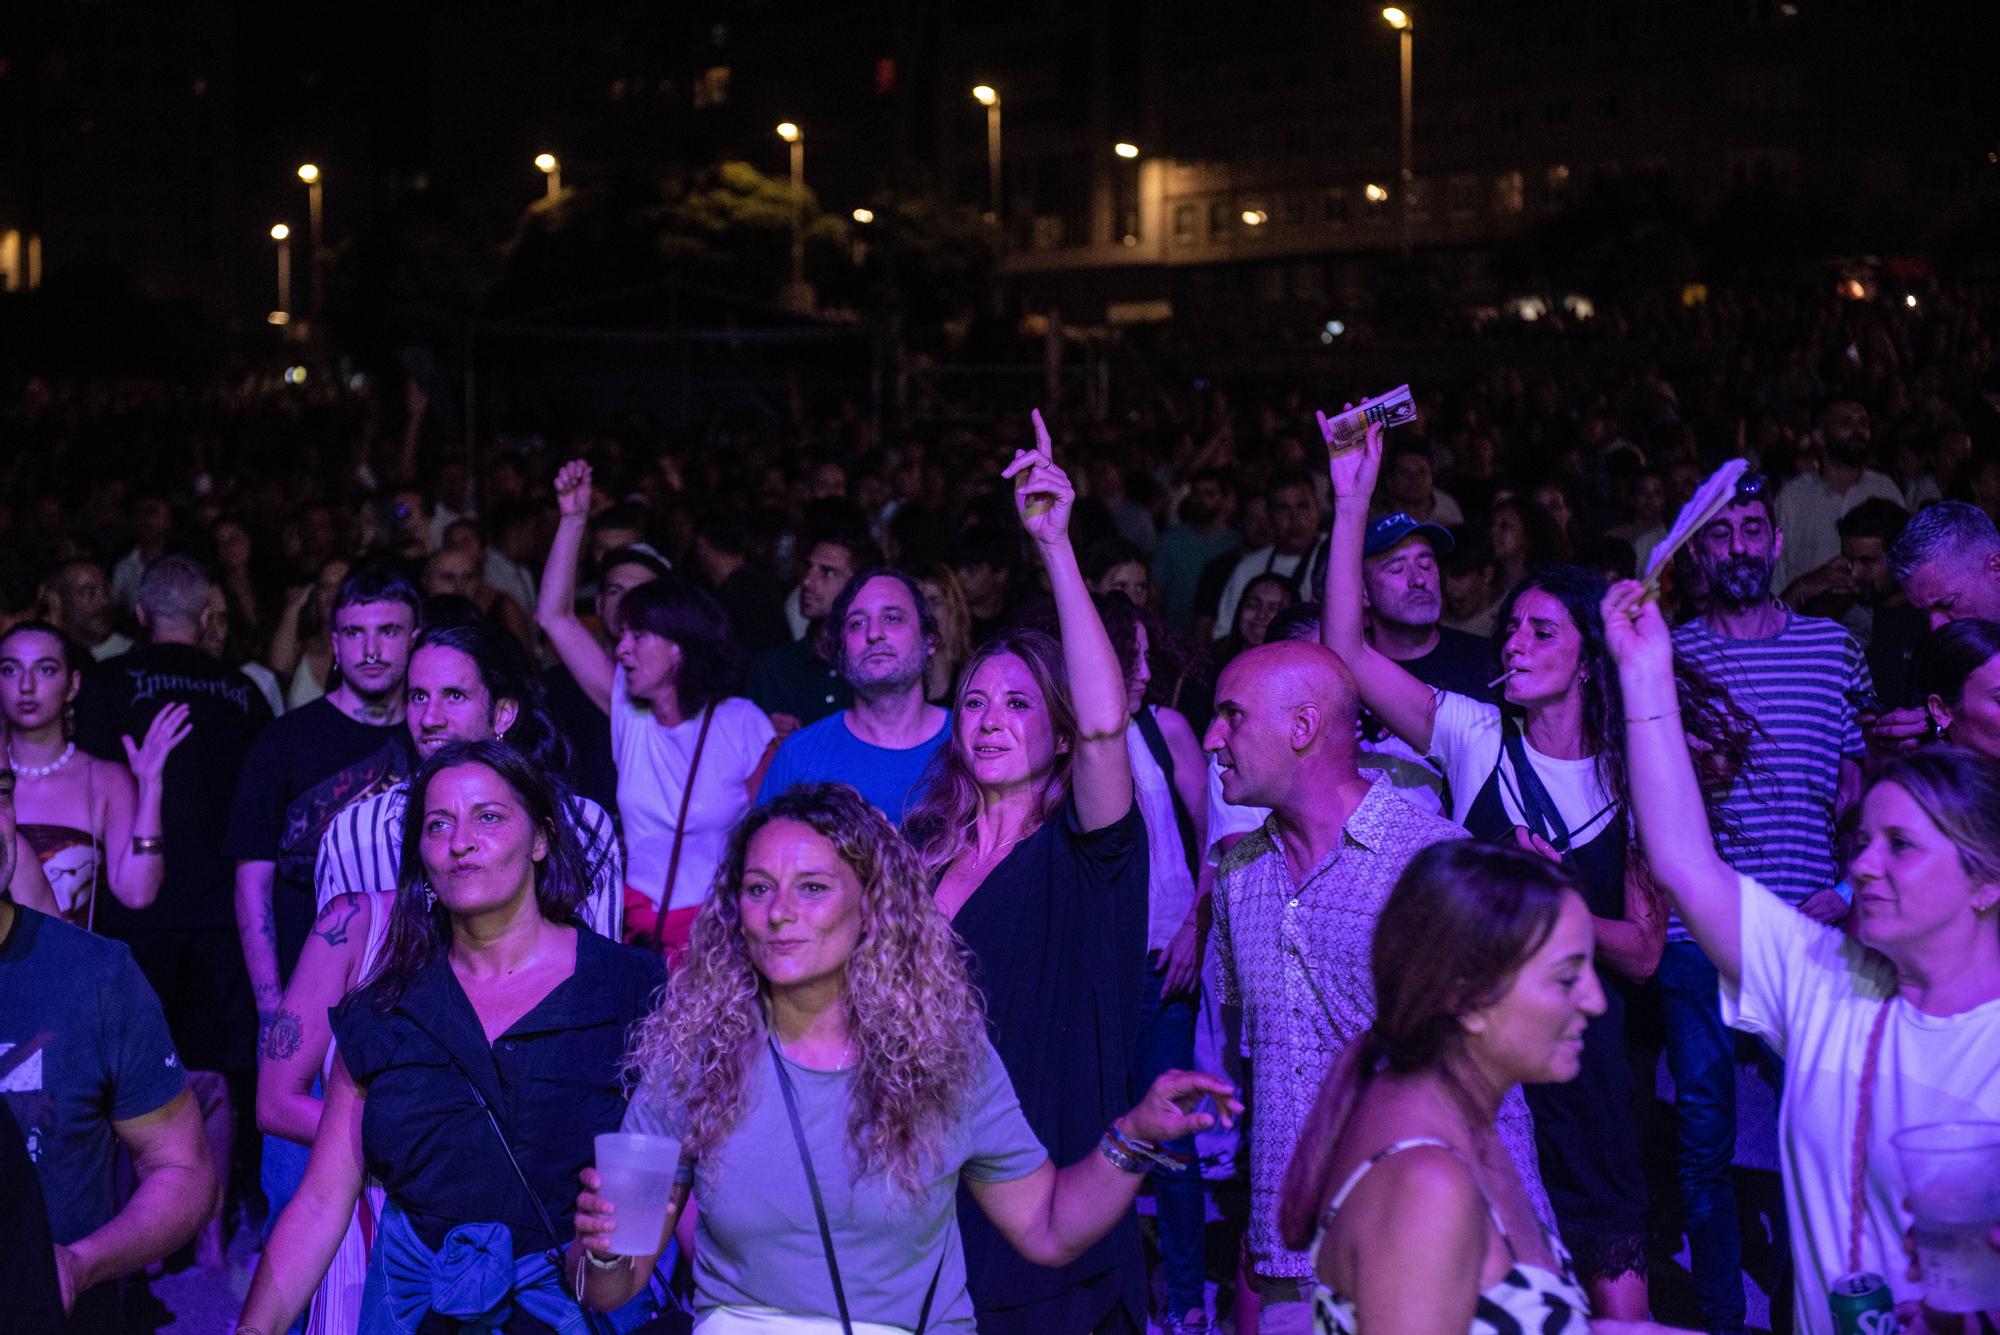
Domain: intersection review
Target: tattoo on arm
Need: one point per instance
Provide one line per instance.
(335, 920)
(268, 924)
(282, 1035)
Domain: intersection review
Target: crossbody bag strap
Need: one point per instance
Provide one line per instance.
(812, 1184)
(1536, 803)
(1156, 742)
(680, 830)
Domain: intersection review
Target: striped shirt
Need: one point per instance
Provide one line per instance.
(363, 847)
(1795, 685)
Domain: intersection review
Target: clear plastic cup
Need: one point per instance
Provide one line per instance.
(1953, 1173)
(638, 1177)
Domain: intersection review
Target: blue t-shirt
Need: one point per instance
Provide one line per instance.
(83, 1044)
(826, 752)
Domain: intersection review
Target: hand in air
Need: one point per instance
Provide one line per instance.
(1353, 472)
(169, 728)
(1168, 1111)
(1634, 630)
(1043, 494)
(573, 490)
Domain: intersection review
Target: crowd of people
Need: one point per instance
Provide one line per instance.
(949, 838)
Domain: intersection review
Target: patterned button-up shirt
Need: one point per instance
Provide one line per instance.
(1295, 958)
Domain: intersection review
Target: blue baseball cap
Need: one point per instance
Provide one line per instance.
(1389, 530)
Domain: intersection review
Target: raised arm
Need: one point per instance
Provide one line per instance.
(1666, 798)
(1052, 1214)
(1044, 497)
(555, 608)
(294, 1045)
(1405, 704)
(132, 809)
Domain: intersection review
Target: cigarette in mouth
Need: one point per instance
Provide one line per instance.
(1502, 677)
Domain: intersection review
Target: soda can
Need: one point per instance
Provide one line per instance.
(1861, 1304)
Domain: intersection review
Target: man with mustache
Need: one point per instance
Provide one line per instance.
(880, 633)
(1403, 605)
(1812, 504)
(1799, 677)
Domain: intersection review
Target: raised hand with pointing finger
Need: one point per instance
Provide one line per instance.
(1043, 493)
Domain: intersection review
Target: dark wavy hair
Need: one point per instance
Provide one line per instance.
(376, 582)
(711, 660)
(1462, 921)
(832, 634)
(506, 674)
(419, 930)
(1955, 652)
(1720, 734)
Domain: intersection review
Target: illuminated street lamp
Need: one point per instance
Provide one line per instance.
(1125, 150)
(864, 216)
(283, 236)
(796, 137)
(989, 97)
(546, 163)
(1255, 217)
(1406, 30)
(1375, 194)
(315, 229)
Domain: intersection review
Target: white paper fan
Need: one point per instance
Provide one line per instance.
(1708, 501)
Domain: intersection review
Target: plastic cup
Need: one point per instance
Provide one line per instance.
(638, 1176)
(1953, 1173)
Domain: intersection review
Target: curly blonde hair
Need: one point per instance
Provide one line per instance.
(917, 1023)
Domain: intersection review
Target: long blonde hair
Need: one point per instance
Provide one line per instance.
(917, 1024)
(941, 823)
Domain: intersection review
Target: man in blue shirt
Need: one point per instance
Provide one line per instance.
(881, 634)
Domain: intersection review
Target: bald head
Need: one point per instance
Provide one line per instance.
(1284, 723)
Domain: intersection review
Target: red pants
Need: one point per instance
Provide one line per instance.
(641, 915)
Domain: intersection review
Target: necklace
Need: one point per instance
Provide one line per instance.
(41, 771)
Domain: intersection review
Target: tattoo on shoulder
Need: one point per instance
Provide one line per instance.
(283, 1036)
(336, 918)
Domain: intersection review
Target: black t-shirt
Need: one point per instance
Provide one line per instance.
(1895, 655)
(1461, 663)
(300, 772)
(82, 1044)
(27, 1254)
(793, 679)
(227, 711)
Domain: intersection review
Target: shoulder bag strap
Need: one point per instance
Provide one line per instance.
(1156, 742)
(819, 1206)
(1536, 804)
(812, 1183)
(680, 830)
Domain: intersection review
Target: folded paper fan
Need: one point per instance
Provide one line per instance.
(1708, 501)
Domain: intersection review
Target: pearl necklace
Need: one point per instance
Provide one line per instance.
(41, 771)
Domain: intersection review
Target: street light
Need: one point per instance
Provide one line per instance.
(1406, 31)
(1255, 217)
(315, 229)
(796, 137)
(864, 216)
(989, 97)
(1125, 150)
(283, 236)
(549, 167)
(1375, 194)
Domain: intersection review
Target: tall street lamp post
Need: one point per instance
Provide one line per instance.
(1406, 30)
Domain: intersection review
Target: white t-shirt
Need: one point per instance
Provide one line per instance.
(1813, 994)
(1465, 739)
(652, 772)
(1810, 516)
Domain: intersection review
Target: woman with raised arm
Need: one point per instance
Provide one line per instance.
(1895, 1026)
(1545, 768)
(690, 755)
(825, 1040)
(94, 824)
(1037, 852)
